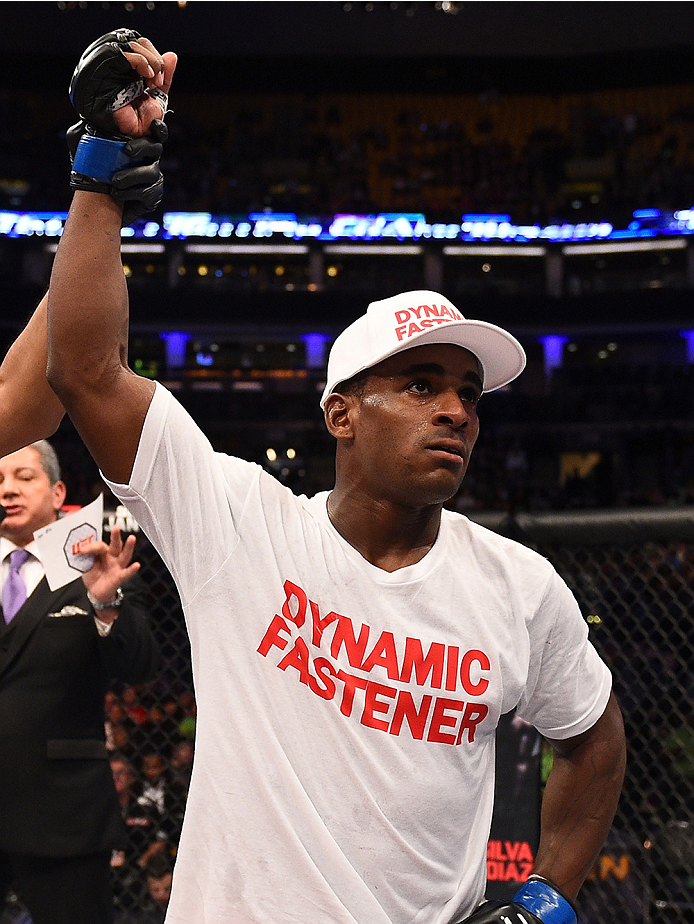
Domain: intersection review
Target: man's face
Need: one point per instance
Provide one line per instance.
(27, 495)
(416, 424)
(152, 767)
(122, 776)
(160, 888)
(183, 755)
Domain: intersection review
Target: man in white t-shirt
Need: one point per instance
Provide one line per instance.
(352, 652)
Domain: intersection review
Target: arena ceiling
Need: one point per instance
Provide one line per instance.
(373, 45)
(378, 28)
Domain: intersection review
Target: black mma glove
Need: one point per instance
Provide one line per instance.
(103, 159)
(104, 81)
(536, 902)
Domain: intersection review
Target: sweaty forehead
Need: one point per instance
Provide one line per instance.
(452, 359)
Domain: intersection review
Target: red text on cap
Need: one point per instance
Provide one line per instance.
(415, 320)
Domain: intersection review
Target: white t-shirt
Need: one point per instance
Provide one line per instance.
(344, 753)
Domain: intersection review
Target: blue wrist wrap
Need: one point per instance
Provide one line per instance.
(544, 902)
(100, 158)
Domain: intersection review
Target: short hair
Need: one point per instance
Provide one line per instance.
(158, 865)
(355, 385)
(49, 460)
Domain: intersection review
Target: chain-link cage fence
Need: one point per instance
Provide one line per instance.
(150, 733)
(633, 576)
(632, 573)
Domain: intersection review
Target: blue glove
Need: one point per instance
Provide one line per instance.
(536, 902)
(128, 171)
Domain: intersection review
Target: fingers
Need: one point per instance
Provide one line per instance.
(123, 551)
(142, 64)
(127, 553)
(155, 68)
(116, 548)
(131, 570)
(170, 62)
(96, 548)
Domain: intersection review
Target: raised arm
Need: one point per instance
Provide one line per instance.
(88, 298)
(88, 336)
(29, 409)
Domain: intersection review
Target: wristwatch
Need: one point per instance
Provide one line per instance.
(113, 605)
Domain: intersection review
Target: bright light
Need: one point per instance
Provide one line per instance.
(271, 454)
(689, 340)
(476, 250)
(247, 248)
(676, 243)
(553, 347)
(368, 250)
(175, 348)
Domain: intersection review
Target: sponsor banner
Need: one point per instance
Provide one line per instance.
(515, 831)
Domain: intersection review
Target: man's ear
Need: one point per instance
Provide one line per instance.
(59, 494)
(339, 414)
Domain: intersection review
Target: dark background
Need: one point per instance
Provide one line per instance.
(411, 46)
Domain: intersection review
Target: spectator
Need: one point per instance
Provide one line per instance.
(158, 790)
(118, 729)
(181, 763)
(143, 838)
(159, 874)
(134, 709)
(160, 730)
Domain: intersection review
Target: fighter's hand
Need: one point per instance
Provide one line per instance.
(113, 565)
(121, 74)
(496, 912)
(136, 117)
(537, 901)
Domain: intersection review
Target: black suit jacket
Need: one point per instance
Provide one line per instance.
(57, 796)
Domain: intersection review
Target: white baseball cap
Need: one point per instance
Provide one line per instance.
(413, 319)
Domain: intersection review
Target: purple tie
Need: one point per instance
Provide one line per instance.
(14, 593)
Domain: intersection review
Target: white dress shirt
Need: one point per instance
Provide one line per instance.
(32, 571)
